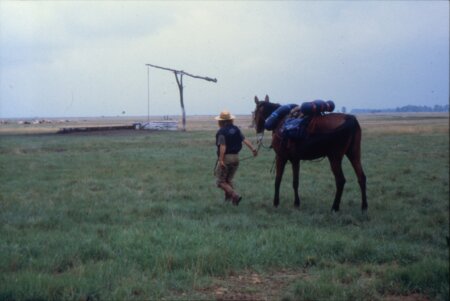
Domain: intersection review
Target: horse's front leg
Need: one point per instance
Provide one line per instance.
(280, 164)
(295, 182)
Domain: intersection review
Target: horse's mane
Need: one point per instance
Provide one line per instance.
(269, 107)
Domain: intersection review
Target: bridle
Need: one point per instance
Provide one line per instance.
(260, 135)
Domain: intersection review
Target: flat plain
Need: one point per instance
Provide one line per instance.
(136, 215)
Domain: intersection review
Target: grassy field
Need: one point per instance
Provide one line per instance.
(137, 216)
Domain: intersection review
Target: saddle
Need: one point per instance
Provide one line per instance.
(298, 118)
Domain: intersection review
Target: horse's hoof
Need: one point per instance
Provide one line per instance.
(365, 216)
(365, 213)
(335, 210)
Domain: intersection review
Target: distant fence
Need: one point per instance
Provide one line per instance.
(94, 129)
(153, 125)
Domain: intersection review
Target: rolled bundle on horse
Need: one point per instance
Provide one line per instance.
(330, 135)
(276, 115)
(317, 107)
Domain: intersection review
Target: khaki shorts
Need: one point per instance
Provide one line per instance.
(226, 174)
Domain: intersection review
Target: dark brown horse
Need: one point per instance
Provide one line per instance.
(331, 135)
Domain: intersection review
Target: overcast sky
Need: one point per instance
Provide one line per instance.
(88, 58)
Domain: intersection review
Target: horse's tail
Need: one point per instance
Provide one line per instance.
(354, 155)
(354, 150)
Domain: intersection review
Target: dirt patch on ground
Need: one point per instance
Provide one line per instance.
(412, 297)
(250, 285)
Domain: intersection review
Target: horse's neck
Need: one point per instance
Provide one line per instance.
(270, 108)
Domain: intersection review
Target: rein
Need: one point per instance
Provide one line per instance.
(259, 143)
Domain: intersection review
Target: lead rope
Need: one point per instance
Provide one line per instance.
(259, 142)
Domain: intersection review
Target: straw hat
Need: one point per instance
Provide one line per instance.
(224, 115)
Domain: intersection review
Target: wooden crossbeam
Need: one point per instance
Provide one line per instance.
(184, 73)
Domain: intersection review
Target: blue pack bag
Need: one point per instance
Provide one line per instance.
(294, 128)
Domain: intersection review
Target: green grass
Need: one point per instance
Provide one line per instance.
(139, 217)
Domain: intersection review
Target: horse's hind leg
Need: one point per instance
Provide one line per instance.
(280, 164)
(356, 163)
(336, 167)
(296, 176)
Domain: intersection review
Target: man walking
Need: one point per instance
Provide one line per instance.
(229, 139)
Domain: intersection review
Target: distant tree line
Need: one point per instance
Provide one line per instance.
(408, 108)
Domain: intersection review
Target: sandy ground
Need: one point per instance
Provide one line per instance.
(378, 123)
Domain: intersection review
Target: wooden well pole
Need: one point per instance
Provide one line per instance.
(148, 94)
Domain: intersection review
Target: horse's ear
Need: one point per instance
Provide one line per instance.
(267, 98)
(256, 100)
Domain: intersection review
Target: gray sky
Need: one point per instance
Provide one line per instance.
(88, 58)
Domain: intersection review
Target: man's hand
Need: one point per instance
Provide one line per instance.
(222, 163)
(222, 151)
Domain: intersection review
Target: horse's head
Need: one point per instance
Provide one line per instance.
(263, 110)
(260, 114)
